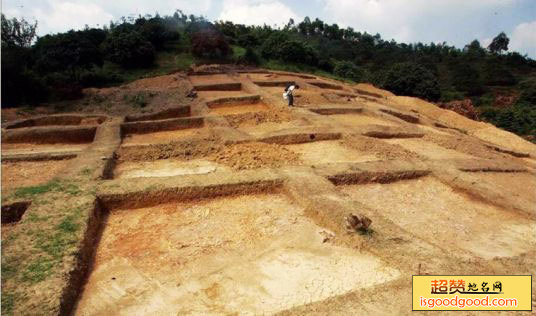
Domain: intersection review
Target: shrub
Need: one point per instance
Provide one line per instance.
(528, 97)
(250, 57)
(99, 77)
(209, 44)
(466, 78)
(280, 46)
(326, 64)
(298, 52)
(129, 49)
(496, 74)
(349, 70)
(272, 45)
(412, 80)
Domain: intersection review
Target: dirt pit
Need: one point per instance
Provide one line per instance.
(253, 254)
(160, 137)
(28, 173)
(267, 127)
(228, 109)
(359, 120)
(428, 149)
(255, 155)
(329, 151)
(165, 168)
(211, 95)
(30, 148)
(453, 222)
(219, 78)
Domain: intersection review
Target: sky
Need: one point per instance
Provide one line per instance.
(457, 22)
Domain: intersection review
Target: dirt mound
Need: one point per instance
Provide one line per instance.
(255, 118)
(380, 149)
(147, 95)
(255, 155)
(462, 107)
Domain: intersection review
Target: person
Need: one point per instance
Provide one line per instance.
(288, 93)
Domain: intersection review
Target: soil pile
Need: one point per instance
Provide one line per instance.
(255, 155)
(255, 118)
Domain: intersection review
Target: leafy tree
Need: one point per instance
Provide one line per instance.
(412, 80)
(297, 52)
(129, 49)
(499, 43)
(155, 31)
(70, 52)
(209, 44)
(18, 32)
(349, 70)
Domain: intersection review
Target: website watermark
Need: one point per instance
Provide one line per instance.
(472, 292)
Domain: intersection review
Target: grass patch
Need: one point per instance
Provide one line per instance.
(38, 271)
(30, 191)
(8, 301)
(365, 231)
(51, 186)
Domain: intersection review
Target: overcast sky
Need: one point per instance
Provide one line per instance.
(455, 21)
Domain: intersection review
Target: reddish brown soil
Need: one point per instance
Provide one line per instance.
(160, 137)
(255, 155)
(28, 173)
(239, 109)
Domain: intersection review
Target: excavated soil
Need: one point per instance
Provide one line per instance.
(30, 148)
(382, 150)
(255, 155)
(210, 79)
(428, 149)
(358, 119)
(435, 212)
(29, 173)
(165, 168)
(254, 120)
(253, 254)
(329, 151)
(160, 137)
(210, 95)
(258, 126)
(239, 108)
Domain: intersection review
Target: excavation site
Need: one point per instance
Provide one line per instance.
(226, 201)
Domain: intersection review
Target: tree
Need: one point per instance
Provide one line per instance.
(209, 44)
(129, 49)
(155, 31)
(349, 70)
(70, 52)
(18, 32)
(412, 80)
(499, 43)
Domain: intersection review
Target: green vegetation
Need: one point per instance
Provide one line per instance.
(51, 186)
(57, 67)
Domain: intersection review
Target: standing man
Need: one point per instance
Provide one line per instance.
(289, 95)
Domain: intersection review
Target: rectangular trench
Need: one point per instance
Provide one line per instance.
(249, 252)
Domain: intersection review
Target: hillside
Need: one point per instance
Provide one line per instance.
(232, 202)
(483, 83)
